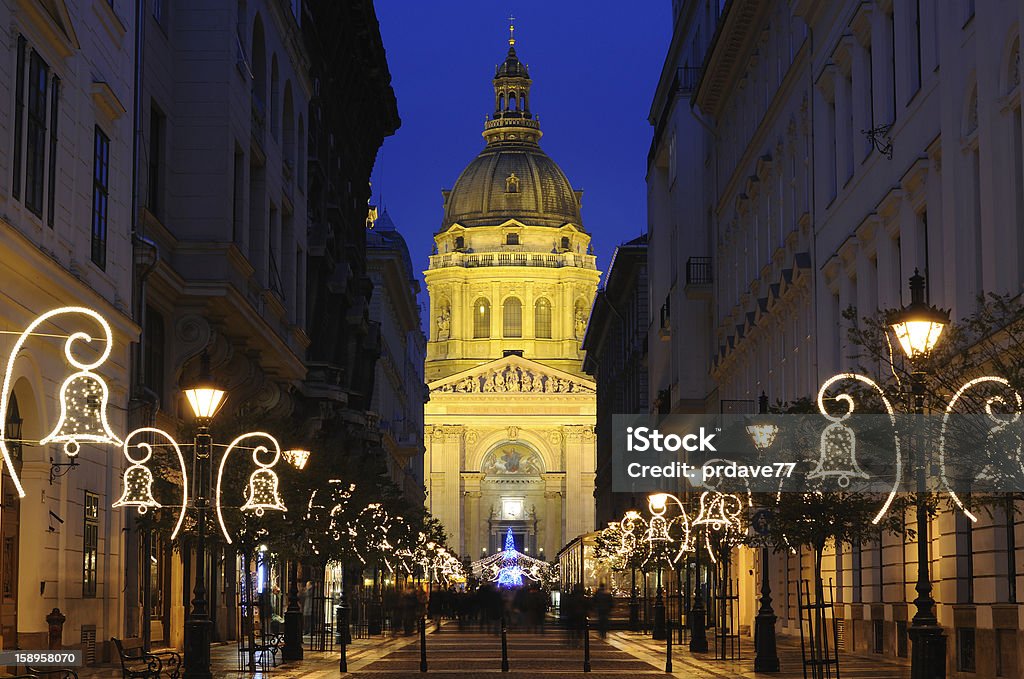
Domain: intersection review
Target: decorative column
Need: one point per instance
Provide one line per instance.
(553, 534)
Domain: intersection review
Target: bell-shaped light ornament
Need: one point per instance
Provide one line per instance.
(657, 531)
(713, 512)
(138, 489)
(263, 493)
(838, 456)
(83, 414)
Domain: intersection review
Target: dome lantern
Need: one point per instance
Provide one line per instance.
(512, 178)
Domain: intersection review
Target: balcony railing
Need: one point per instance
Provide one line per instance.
(541, 259)
(698, 271)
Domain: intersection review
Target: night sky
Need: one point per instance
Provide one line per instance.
(594, 66)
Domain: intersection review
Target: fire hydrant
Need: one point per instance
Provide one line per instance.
(55, 625)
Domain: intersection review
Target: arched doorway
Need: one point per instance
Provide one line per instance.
(10, 519)
(512, 487)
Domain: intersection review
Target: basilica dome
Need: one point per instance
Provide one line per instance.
(512, 178)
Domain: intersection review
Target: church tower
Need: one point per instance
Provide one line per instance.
(510, 420)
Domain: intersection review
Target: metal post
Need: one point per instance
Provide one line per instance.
(586, 643)
(658, 632)
(199, 627)
(342, 617)
(293, 619)
(147, 582)
(634, 604)
(766, 657)
(928, 652)
(504, 644)
(679, 601)
(668, 647)
(698, 631)
(423, 643)
(343, 647)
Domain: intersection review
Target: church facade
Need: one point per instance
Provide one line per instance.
(509, 426)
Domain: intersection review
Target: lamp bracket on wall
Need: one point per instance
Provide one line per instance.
(59, 469)
(880, 139)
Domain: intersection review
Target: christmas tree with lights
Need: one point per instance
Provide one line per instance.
(511, 573)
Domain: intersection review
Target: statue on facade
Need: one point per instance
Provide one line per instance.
(581, 323)
(443, 323)
(526, 384)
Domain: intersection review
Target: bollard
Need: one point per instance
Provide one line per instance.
(668, 646)
(55, 626)
(423, 644)
(586, 644)
(504, 645)
(339, 612)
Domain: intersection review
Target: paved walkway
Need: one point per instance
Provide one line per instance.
(706, 666)
(452, 653)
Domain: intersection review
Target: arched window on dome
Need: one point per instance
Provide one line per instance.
(481, 318)
(512, 318)
(512, 101)
(522, 102)
(542, 318)
(501, 101)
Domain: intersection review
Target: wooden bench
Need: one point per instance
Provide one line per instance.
(136, 663)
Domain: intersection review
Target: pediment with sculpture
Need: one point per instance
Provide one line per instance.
(513, 375)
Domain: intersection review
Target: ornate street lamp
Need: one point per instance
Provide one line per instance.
(766, 657)
(292, 649)
(918, 327)
(658, 532)
(205, 398)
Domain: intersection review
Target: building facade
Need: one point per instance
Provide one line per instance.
(396, 397)
(220, 239)
(65, 240)
(807, 158)
(510, 420)
(616, 357)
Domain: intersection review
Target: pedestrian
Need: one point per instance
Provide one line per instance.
(307, 607)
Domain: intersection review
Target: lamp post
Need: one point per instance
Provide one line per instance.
(292, 649)
(766, 657)
(205, 398)
(918, 327)
(658, 532)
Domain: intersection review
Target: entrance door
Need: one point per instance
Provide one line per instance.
(9, 520)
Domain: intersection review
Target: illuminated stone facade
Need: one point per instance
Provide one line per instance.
(510, 420)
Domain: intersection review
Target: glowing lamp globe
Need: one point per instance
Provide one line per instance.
(297, 457)
(918, 326)
(657, 501)
(204, 396)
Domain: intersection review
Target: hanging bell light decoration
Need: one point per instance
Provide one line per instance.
(719, 511)
(137, 481)
(86, 419)
(263, 490)
(837, 450)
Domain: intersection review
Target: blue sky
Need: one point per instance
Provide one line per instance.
(594, 67)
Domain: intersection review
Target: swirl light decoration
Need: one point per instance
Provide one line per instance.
(263, 483)
(83, 395)
(822, 471)
(659, 528)
(138, 479)
(998, 426)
